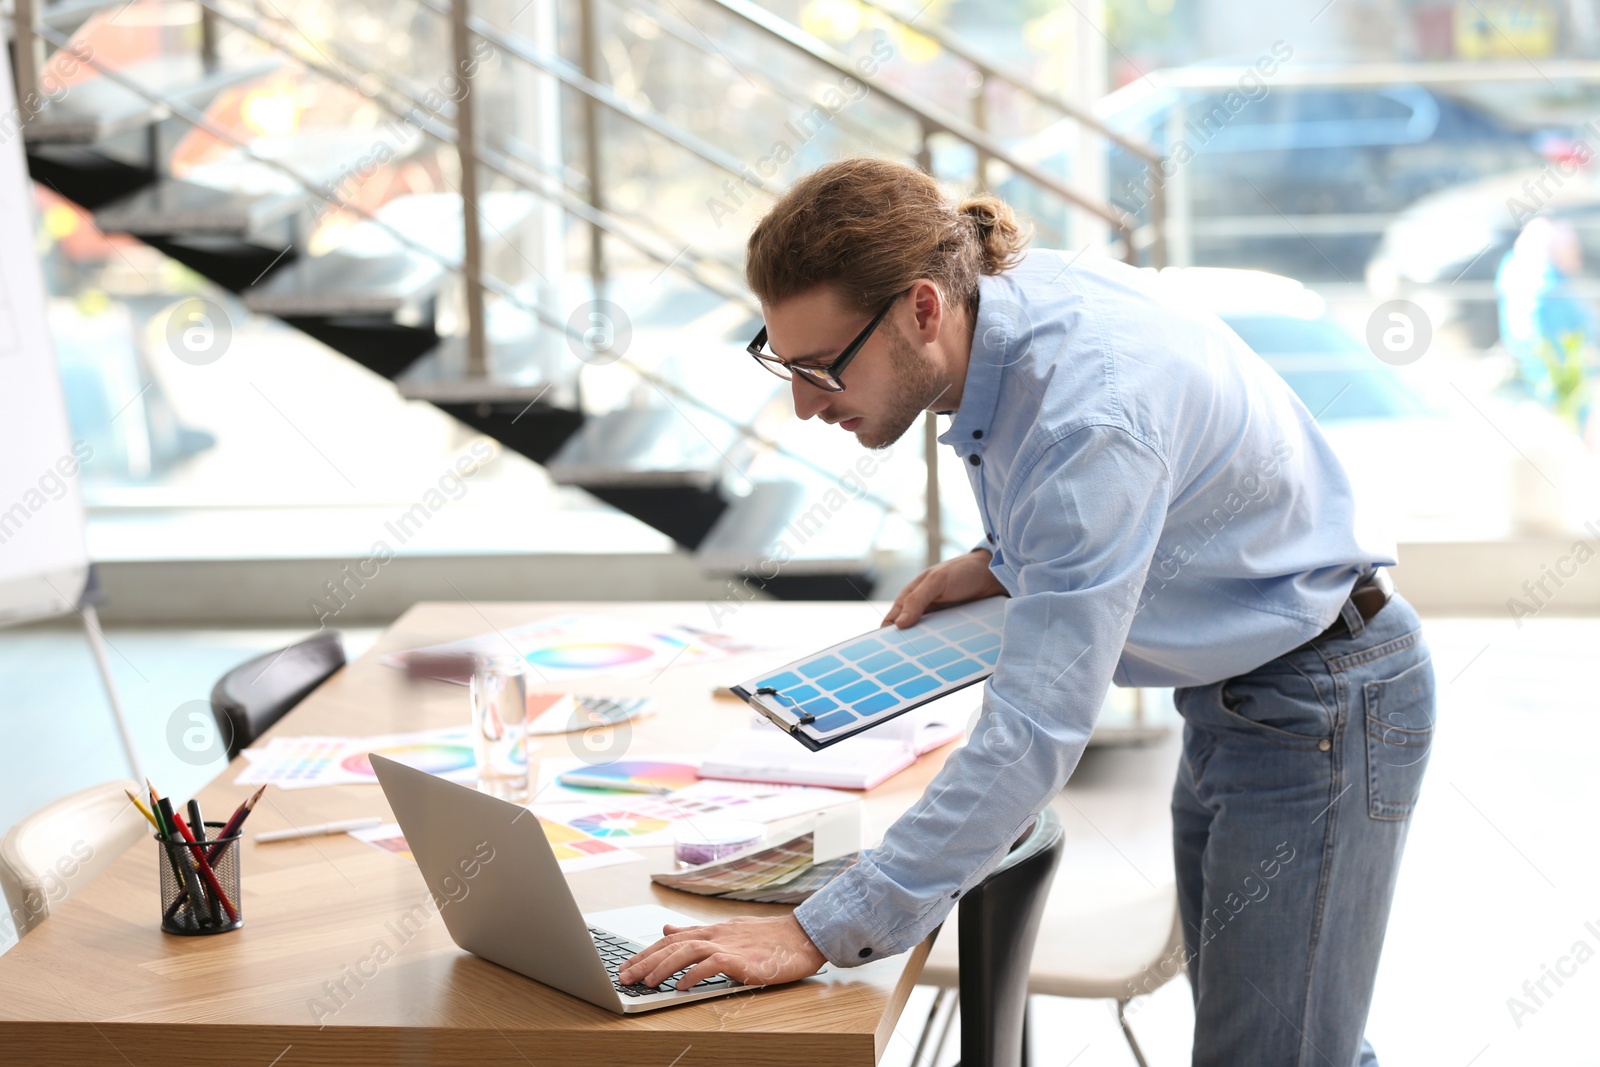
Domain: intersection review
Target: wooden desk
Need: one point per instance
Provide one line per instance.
(98, 983)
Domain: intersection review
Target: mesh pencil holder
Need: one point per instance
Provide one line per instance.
(200, 884)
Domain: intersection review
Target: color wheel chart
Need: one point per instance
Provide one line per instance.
(574, 849)
(435, 757)
(302, 762)
(587, 655)
(576, 646)
(856, 684)
(632, 776)
(616, 824)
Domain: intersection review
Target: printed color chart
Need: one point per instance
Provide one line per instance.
(578, 646)
(303, 762)
(856, 684)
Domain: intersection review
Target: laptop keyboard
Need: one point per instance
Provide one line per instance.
(615, 951)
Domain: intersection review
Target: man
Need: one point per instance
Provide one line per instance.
(1161, 510)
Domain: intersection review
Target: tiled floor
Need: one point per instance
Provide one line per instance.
(1501, 878)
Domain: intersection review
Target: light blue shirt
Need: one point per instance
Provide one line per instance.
(1163, 512)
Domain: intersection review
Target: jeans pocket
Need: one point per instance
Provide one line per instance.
(1281, 707)
(1400, 720)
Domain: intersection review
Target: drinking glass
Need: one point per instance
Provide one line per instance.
(500, 726)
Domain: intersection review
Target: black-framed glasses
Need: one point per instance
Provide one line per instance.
(825, 378)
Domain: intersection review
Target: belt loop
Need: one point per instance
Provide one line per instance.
(1352, 617)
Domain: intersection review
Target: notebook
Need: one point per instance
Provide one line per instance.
(764, 754)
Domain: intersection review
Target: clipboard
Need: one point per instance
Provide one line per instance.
(871, 678)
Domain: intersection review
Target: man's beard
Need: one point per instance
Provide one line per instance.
(919, 386)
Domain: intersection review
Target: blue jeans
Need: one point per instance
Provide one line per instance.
(1290, 813)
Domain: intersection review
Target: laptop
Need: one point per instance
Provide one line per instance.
(504, 897)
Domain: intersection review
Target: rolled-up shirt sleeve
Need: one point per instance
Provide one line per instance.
(1084, 523)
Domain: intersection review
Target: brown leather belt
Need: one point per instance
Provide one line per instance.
(1370, 593)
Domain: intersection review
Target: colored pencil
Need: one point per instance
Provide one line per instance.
(236, 820)
(142, 809)
(155, 807)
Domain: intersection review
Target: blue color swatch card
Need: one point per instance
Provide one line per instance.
(840, 691)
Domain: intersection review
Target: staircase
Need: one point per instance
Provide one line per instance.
(625, 379)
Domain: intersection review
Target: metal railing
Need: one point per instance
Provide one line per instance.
(929, 121)
(32, 32)
(567, 190)
(405, 103)
(668, 388)
(989, 73)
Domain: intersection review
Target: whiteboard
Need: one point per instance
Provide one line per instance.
(44, 559)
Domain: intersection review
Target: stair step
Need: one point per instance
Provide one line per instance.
(87, 176)
(373, 272)
(237, 195)
(380, 343)
(99, 109)
(533, 428)
(794, 529)
(440, 375)
(339, 284)
(646, 448)
(178, 206)
(67, 16)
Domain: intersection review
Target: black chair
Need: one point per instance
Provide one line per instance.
(250, 698)
(999, 922)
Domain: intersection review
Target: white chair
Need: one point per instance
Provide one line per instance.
(63, 846)
(1096, 942)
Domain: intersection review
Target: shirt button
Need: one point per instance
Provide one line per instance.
(974, 460)
(977, 433)
(864, 953)
(990, 536)
(1324, 745)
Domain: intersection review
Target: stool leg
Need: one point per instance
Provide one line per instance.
(1127, 1032)
(1027, 1028)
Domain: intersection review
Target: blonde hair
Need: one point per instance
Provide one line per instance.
(871, 227)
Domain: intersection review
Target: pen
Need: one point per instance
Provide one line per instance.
(319, 829)
(199, 825)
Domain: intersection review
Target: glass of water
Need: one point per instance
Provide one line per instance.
(500, 726)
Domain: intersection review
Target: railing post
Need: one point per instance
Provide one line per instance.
(978, 81)
(589, 47)
(1180, 238)
(29, 54)
(924, 155)
(935, 516)
(208, 38)
(1158, 215)
(467, 151)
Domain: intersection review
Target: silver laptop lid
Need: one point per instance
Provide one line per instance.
(498, 885)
